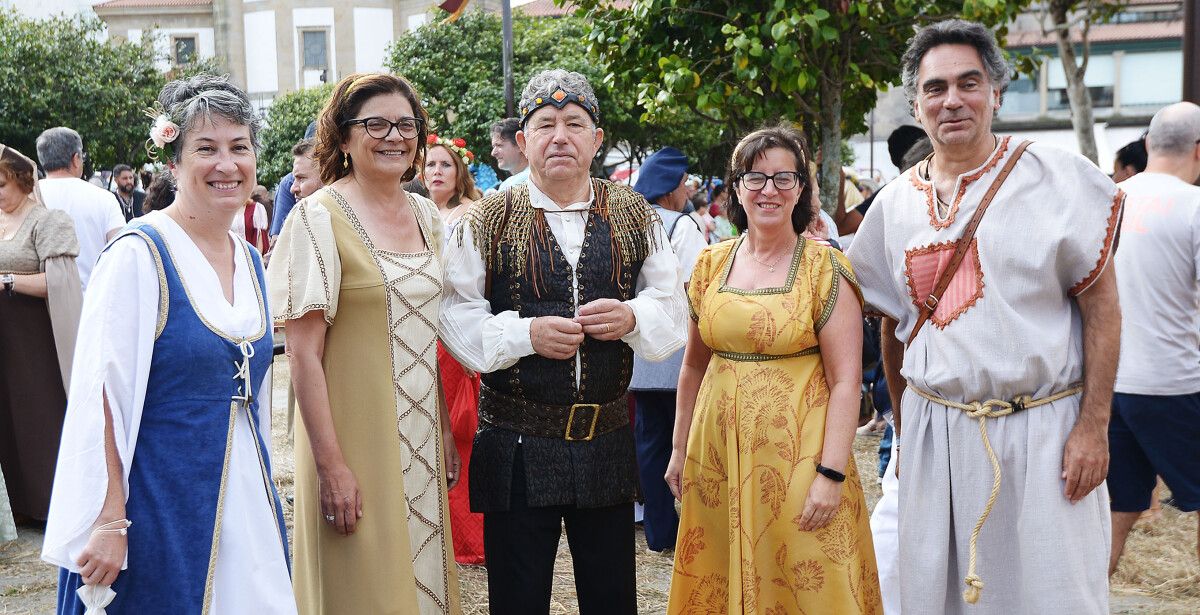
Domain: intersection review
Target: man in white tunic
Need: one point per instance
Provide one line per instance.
(1030, 318)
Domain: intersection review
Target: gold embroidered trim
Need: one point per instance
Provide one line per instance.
(631, 219)
(758, 358)
(216, 539)
(320, 197)
(262, 312)
(963, 184)
(793, 269)
(164, 293)
(1118, 207)
(839, 271)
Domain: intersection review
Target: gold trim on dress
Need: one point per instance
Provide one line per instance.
(164, 292)
(751, 357)
(262, 312)
(216, 539)
(797, 256)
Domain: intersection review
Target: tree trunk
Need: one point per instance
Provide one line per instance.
(1082, 119)
(831, 146)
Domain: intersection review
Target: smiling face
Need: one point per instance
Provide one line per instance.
(560, 143)
(955, 98)
(441, 174)
(391, 155)
(770, 206)
(217, 164)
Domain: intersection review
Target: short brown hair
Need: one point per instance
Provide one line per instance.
(348, 98)
(17, 168)
(755, 145)
(464, 182)
(304, 147)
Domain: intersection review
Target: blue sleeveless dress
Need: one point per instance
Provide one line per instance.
(198, 384)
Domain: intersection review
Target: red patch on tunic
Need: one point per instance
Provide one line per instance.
(923, 266)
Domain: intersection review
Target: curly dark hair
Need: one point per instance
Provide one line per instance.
(349, 96)
(754, 146)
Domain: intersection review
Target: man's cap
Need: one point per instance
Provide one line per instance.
(660, 173)
(901, 140)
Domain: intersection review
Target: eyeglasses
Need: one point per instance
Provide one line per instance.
(783, 180)
(380, 128)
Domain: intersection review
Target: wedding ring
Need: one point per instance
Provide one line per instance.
(329, 518)
(608, 327)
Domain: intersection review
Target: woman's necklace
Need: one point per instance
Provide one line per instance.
(771, 265)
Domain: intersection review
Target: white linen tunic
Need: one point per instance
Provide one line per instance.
(112, 358)
(1007, 326)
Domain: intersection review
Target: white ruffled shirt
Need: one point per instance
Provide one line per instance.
(113, 356)
(486, 342)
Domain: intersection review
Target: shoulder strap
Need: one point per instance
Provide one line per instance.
(927, 308)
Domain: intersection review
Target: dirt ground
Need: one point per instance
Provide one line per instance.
(1158, 575)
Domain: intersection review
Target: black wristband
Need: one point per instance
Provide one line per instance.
(831, 474)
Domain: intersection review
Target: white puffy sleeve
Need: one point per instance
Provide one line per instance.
(305, 273)
(120, 320)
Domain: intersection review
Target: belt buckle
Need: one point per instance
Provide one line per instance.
(571, 419)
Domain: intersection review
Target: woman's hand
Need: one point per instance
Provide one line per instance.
(821, 503)
(341, 501)
(102, 558)
(674, 475)
(452, 460)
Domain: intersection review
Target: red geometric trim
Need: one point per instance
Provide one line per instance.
(1110, 234)
(963, 184)
(972, 255)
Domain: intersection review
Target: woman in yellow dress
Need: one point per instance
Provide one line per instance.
(773, 518)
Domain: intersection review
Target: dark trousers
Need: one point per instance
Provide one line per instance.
(652, 432)
(521, 544)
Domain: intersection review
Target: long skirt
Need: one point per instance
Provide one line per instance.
(462, 399)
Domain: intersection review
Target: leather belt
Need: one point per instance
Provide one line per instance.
(574, 423)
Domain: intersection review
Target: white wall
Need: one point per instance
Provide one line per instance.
(262, 60)
(40, 9)
(321, 17)
(372, 34)
(205, 42)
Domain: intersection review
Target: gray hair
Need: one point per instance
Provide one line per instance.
(954, 32)
(192, 102)
(1174, 130)
(57, 146)
(545, 83)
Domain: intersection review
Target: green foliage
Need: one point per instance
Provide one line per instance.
(746, 63)
(287, 119)
(57, 72)
(457, 69)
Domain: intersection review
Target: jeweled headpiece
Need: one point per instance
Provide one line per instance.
(559, 88)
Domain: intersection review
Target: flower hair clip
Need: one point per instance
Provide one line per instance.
(457, 146)
(162, 133)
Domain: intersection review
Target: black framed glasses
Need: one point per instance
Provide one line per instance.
(783, 180)
(380, 128)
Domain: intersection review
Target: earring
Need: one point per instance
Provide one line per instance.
(345, 160)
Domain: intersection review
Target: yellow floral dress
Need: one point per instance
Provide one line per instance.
(757, 433)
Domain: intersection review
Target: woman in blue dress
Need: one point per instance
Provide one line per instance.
(163, 489)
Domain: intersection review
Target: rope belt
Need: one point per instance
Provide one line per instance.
(990, 409)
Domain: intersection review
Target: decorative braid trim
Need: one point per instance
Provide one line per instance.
(632, 221)
(963, 184)
(1106, 250)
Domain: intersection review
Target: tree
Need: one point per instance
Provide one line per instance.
(1066, 18)
(744, 63)
(456, 67)
(287, 119)
(58, 72)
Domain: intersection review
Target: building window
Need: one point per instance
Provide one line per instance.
(183, 49)
(315, 45)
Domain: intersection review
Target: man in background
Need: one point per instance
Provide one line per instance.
(94, 210)
(508, 156)
(128, 196)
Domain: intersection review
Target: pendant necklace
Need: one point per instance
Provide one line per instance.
(771, 265)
